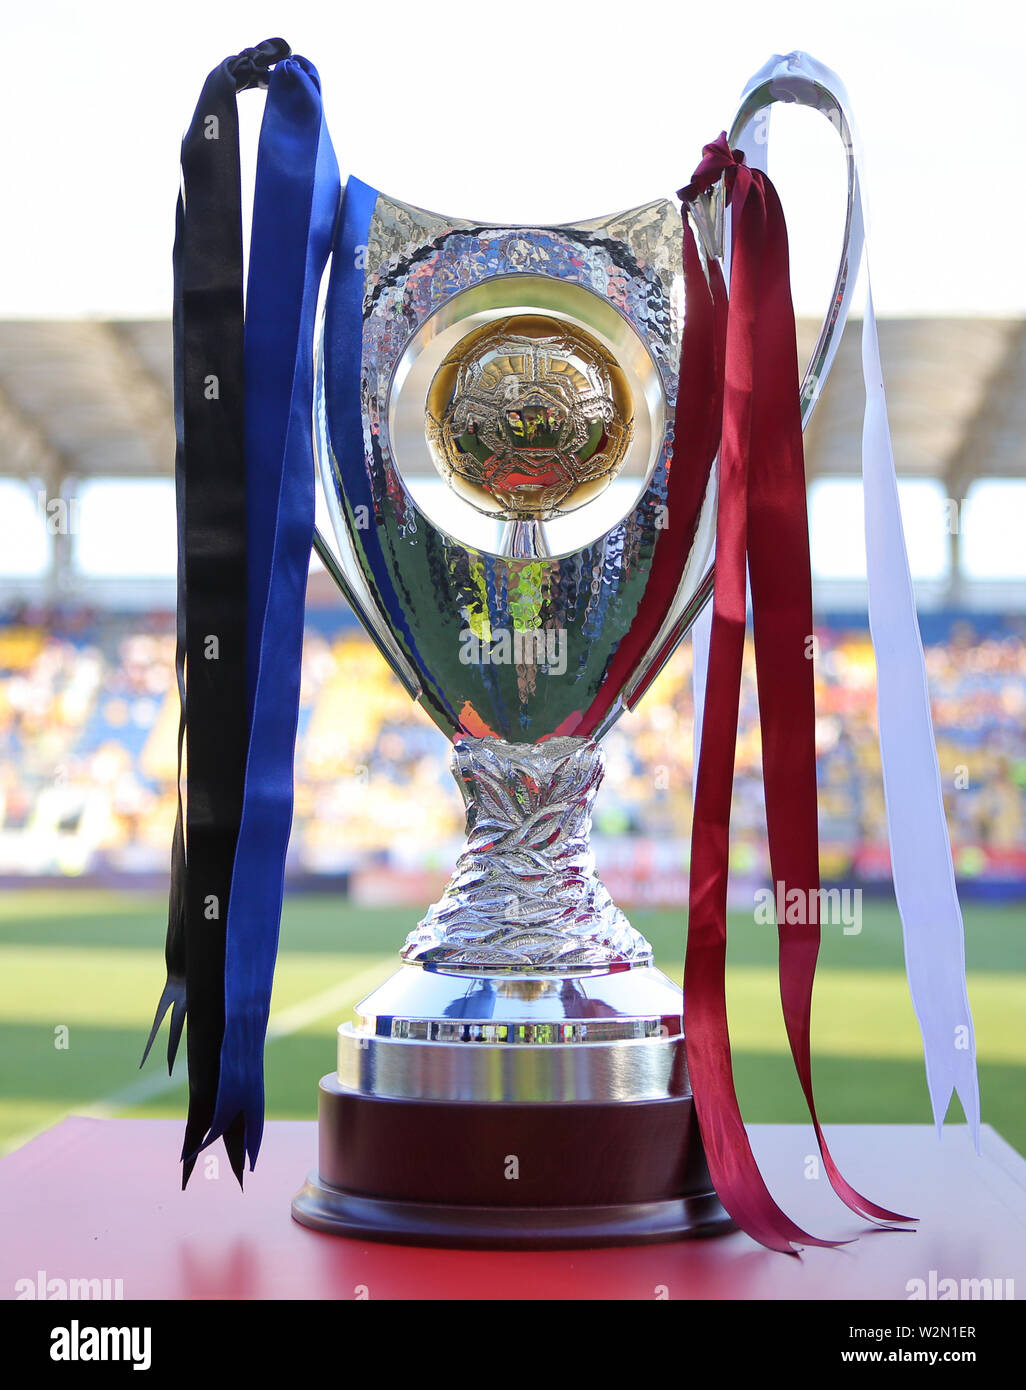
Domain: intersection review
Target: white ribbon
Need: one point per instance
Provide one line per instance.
(921, 863)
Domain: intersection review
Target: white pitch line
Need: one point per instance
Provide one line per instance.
(280, 1025)
(297, 1016)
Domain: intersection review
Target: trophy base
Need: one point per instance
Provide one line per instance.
(329, 1209)
(528, 1175)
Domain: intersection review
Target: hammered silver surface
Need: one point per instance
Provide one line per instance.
(422, 590)
(417, 259)
(524, 893)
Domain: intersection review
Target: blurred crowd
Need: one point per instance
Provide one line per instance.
(89, 719)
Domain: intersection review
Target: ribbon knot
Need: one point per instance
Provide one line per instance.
(250, 67)
(718, 161)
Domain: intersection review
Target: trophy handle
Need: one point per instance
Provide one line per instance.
(795, 77)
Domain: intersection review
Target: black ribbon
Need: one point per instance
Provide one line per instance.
(210, 482)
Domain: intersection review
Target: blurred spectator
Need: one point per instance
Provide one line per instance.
(89, 718)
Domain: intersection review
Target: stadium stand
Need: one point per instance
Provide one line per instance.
(88, 725)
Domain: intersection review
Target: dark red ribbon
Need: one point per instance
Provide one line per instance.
(761, 522)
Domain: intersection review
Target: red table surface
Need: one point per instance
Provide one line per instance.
(101, 1199)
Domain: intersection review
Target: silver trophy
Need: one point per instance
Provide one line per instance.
(521, 1078)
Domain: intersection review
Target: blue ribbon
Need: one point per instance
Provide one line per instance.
(343, 363)
(295, 208)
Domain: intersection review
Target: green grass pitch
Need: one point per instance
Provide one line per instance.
(80, 973)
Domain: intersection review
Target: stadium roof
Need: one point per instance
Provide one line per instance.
(91, 398)
(956, 398)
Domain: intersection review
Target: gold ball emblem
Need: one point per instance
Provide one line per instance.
(529, 418)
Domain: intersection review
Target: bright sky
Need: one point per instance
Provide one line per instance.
(540, 110)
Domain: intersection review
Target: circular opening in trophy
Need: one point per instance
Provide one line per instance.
(526, 416)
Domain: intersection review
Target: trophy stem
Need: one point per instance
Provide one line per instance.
(523, 540)
(524, 895)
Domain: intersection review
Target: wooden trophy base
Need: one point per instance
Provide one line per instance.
(488, 1174)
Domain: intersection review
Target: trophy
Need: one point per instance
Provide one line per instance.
(521, 1079)
(531, 439)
